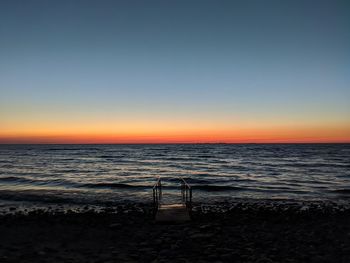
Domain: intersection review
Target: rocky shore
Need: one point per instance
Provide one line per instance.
(221, 232)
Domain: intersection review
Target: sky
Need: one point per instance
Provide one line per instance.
(174, 71)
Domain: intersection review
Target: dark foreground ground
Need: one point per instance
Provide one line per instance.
(221, 233)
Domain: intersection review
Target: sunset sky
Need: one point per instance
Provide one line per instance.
(174, 71)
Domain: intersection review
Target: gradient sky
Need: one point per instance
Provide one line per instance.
(174, 71)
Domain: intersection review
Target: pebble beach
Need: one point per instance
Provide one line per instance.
(242, 231)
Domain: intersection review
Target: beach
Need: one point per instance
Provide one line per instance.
(251, 203)
(243, 231)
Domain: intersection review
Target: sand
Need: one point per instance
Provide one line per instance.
(226, 232)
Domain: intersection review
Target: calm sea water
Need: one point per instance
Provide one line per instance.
(96, 174)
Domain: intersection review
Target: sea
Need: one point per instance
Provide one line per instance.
(111, 174)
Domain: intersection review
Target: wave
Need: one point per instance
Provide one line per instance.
(204, 187)
(15, 179)
(201, 187)
(59, 149)
(35, 182)
(178, 159)
(115, 185)
(6, 166)
(342, 191)
(218, 188)
(189, 180)
(111, 156)
(197, 181)
(315, 166)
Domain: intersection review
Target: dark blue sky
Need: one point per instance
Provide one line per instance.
(279, 60)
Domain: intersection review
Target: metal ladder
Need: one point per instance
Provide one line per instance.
(186, 195)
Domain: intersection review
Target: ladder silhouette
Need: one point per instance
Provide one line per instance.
(172, 212)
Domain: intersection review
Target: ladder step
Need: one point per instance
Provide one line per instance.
(172, 213)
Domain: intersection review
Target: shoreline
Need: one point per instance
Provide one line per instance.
(221, 232)
(19, 206)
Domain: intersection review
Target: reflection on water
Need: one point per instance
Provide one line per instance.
(94, 173)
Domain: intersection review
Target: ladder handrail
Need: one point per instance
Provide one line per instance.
(186, 193)
(158, 182)
(157, 194)
(184, 181)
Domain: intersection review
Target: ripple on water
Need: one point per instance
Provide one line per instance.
(220, 171)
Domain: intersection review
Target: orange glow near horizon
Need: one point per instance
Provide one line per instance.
(93, 72)
(156, 133)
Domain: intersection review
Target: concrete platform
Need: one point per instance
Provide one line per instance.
(172, 213)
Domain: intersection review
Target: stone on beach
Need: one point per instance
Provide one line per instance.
(252, 232)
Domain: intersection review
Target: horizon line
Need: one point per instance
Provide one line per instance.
(175, 143)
